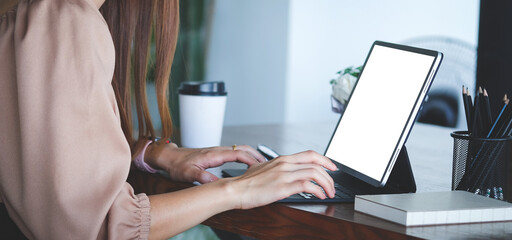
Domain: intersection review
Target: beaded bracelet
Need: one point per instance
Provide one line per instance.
(158, 139)
(139, 160)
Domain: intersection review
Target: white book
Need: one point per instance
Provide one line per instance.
(431, 208)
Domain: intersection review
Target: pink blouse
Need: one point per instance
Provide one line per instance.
(64, 159)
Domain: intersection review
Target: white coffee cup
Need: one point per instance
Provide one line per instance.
(202, 107)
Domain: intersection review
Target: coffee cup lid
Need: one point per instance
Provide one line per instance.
(203, 88)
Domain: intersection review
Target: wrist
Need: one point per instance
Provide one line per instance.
(230, 195)
(159, 154)
(139, 159)
(231, 192)
(149, 156)
(153, 155)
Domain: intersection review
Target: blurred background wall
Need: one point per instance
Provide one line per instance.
(278, 56)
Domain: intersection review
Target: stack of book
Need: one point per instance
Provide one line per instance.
(432, 208)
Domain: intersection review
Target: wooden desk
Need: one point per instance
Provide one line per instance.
(429, 148)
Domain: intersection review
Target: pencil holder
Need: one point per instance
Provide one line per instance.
(482, 165)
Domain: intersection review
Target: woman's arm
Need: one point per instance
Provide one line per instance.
(175, 212)
(189, 165)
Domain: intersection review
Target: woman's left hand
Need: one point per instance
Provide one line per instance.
(189, 164)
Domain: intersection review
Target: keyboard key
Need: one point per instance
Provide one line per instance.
(305, 195)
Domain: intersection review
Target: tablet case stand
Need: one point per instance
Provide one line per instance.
(401, 179)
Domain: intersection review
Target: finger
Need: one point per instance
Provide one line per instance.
(309, 187)
(312, 157)
(217, 156)
(205, 177)
(310, 172)
(253, 152)
(309, 168)
(244, 157)
(323, 180)
(324, 177)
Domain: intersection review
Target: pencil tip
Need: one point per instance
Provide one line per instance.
(480, 90)
(485, 92)
(463, 90)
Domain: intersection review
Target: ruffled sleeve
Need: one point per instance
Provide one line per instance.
(64, 158)
(126, 212)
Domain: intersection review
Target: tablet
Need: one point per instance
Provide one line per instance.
(381, 110)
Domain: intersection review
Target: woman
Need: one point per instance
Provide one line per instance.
(65, 128)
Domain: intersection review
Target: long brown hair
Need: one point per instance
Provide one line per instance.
(132, 24)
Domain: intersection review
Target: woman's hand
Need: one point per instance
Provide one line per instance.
(189, 165)
(264, 183)
(284, 176)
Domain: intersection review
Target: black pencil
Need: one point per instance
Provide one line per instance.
(506, 131)
(476, 117)
(466, 107)
(487, 111)
(504, 122)
(494, 127)
(470, 104)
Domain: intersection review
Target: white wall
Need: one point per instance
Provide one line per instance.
(277, 57)
(248, 51)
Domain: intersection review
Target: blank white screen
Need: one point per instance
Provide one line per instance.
(378, 110)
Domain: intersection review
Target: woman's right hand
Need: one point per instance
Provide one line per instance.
(262, 184)
(284, 176)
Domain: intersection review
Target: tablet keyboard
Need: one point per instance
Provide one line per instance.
(341, 193)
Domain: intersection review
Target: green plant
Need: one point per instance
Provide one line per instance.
(344, 82)
(352, 71)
